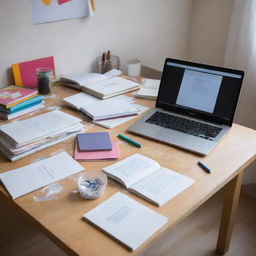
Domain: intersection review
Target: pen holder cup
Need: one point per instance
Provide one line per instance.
(92, 184)
(44, 80)
(104, 66)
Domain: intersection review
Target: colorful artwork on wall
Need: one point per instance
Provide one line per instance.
(53, 10)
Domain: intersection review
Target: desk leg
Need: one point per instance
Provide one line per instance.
(232, 194)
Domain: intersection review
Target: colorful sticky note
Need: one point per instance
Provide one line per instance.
(25, 72)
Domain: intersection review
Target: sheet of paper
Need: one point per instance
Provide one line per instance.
(125, 219)
(26, 179)
(162, 185)
(132, 168)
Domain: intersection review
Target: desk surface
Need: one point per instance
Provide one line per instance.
(61, 219)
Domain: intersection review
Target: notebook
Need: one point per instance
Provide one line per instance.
(21, 111)
(126, 220)
(12, 95)
(98, 155)
(109, 109)
(195, 106)
(25, 72)
(77, 81)
(99, 85)
(94, 141)
(22, 105)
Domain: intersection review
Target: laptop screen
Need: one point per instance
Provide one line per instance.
(198, 90)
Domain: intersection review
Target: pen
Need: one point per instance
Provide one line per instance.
(136, 144)
(204, 167)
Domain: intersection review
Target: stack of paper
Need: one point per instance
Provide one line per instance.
(82, 100)
(22, 138)
(16, 101)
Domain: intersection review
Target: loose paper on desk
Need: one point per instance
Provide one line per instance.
(26, 179)
(123, 218)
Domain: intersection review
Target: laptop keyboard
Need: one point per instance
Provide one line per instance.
(192, 127)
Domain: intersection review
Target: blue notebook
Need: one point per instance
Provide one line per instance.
(23, 105)
(94, 141)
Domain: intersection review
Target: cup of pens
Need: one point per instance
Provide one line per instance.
(107, 62)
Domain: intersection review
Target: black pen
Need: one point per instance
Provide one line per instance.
(204, 167)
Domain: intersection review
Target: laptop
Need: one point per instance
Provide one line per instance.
(195, 106)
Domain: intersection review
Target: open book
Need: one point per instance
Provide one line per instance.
(128, 221)
(109, 109)
(146, 178)
(82, 80)
(100, 85)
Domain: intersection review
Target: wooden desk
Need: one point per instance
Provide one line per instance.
(61, 220)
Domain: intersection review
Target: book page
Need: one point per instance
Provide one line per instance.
(125, 219)
(26, 179)
(112, 85)
(162, 185)
(84, 79)
(132, 169)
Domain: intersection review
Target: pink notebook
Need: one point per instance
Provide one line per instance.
(98, 155)
(25, 72)
(13, 94)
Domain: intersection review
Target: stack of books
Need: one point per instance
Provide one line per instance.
(22, 138)
(16, 101)
(96, 146)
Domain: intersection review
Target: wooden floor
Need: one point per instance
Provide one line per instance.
(195, 236)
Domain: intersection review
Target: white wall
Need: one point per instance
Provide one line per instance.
(210, 25)
(146, 29)
(209, 30)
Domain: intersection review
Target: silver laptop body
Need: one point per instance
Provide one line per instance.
(198, 96)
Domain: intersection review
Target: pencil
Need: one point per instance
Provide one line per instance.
(93, 5)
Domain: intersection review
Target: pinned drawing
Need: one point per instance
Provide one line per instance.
(54, 10)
